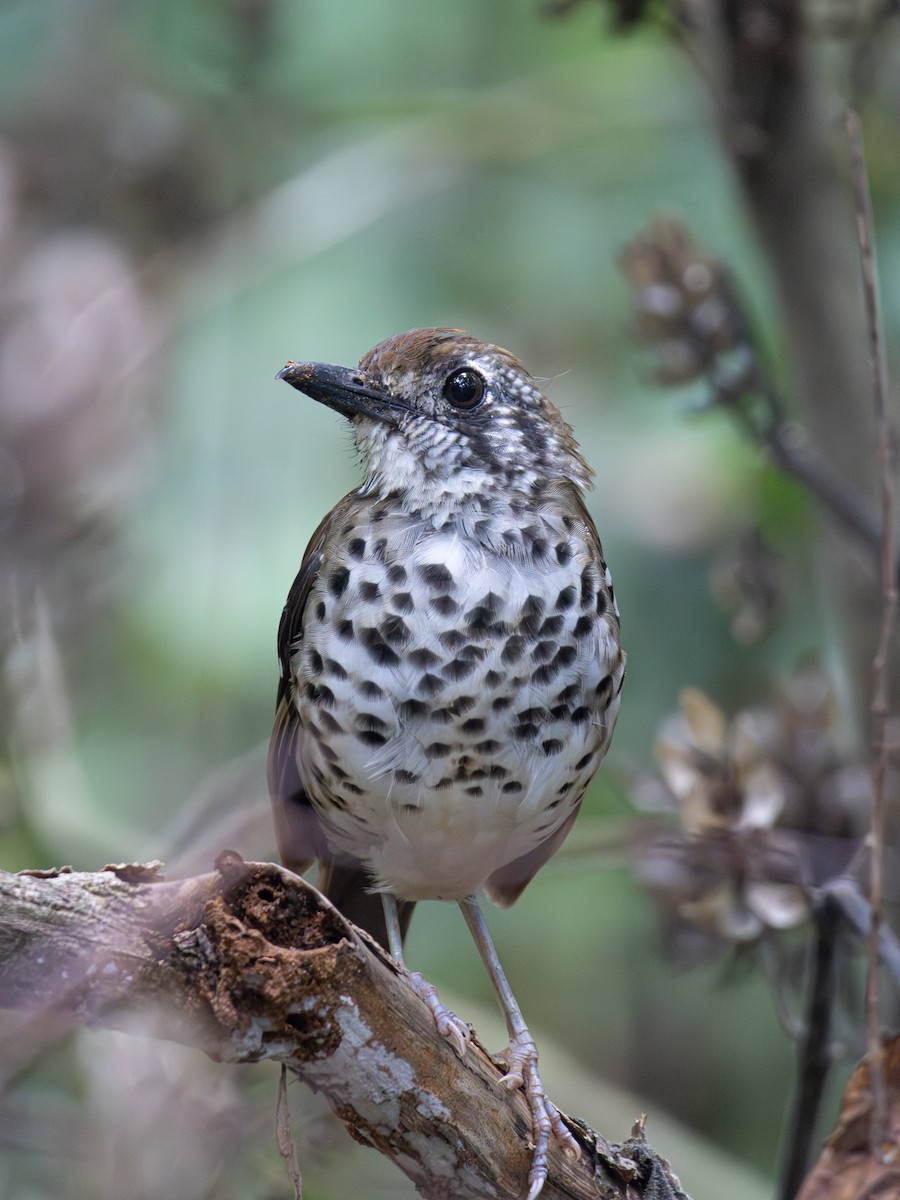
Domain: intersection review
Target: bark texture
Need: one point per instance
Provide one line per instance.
(250, 962)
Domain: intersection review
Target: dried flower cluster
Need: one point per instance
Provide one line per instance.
(767, 806)
(689, 312)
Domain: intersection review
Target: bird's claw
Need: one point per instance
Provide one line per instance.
(449, 1025)
(546, 1122)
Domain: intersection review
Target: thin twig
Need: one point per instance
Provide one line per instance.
(858, 913)
(880, 703)
(284, 1138)
(814, 1055)
(791, 450)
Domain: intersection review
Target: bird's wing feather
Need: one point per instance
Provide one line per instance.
(301, 839)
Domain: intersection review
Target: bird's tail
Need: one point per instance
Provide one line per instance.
(350, 890)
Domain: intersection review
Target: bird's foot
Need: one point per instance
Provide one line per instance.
(521, 1071)
(448, 1024)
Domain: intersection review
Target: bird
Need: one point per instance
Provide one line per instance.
(450, 659)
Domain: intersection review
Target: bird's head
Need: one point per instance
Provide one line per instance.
(446, 420)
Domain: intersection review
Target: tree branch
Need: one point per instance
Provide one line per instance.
(250, 962)
(879, 710)
(775, 119)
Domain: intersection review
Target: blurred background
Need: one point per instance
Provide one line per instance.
(190, 194)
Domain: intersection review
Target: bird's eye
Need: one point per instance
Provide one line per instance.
(464, 388)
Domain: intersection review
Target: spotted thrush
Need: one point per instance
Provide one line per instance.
(449, 654)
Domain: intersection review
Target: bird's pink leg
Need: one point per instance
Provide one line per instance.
(521, 1057)
(448, 1024)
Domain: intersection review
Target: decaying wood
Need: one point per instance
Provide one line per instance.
(250, 962)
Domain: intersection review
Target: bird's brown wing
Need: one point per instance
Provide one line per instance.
(301, 839)
(299, 832)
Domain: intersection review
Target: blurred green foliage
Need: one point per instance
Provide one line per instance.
(300, 179)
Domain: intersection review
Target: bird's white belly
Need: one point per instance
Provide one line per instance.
(439, 746)
(444, 843)
(447, 851)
